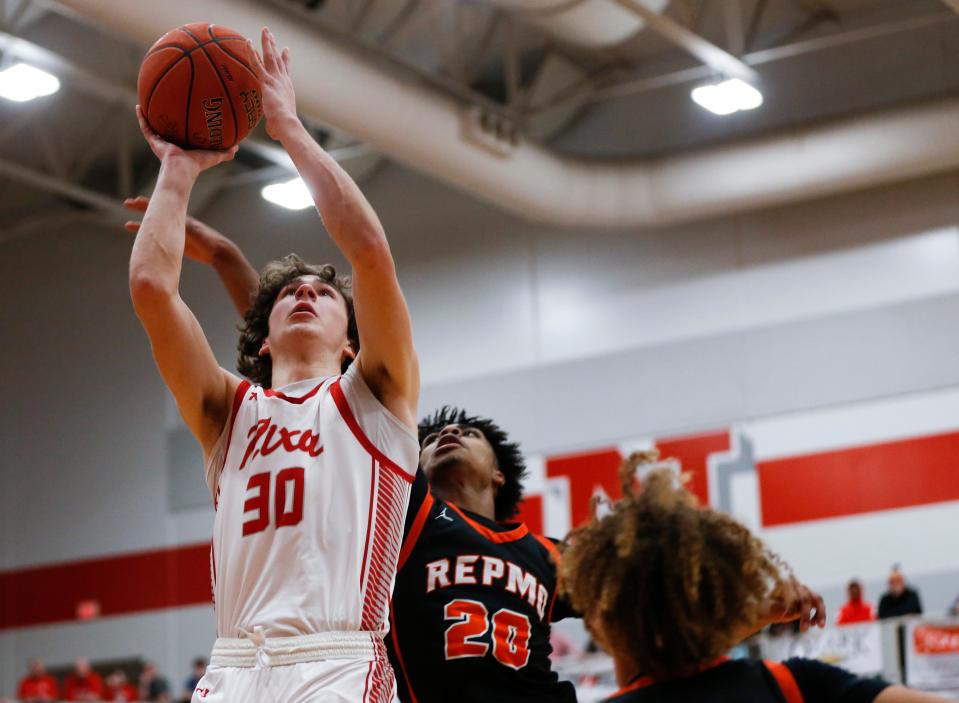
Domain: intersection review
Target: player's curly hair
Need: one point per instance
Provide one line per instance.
(256, 323)
(667, 582)
(509, 459)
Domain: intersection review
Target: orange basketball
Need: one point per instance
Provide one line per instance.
(199, 87)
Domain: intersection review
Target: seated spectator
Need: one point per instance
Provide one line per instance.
(83, 684)
(199, 669)
(668, 587)
(119, 688)
(37, 686)
(153, 687)
(855, 609)
(899, 599)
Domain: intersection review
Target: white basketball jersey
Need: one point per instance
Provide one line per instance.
(311, 483)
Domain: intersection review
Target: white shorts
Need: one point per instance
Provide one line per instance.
(330, 667)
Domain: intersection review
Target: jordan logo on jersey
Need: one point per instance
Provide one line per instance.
(288, 440)
(443, 515)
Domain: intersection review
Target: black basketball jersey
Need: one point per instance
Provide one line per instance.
(472, 606)
(792, 681)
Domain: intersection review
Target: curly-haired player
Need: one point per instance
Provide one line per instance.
(667, 587)
(475, 594)
(309, 466)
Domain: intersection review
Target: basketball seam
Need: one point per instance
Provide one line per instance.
(189, 99)
(227, 95)
(216, 40)
(156, 83)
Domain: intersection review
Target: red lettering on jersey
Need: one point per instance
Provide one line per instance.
(289, 440)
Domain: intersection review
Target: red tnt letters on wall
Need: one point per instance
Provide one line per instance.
(587, 472)
(856, 480)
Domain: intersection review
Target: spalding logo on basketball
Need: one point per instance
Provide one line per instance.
(199, 87)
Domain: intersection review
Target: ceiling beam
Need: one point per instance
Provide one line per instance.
(633, 86)
(702, 49)
(62, 187)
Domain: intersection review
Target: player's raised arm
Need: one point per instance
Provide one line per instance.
(207, 246)
(201, 388)
(387, 360)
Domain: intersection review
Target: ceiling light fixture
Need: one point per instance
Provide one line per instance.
(730, 96)
(23, 82)
(293, 195)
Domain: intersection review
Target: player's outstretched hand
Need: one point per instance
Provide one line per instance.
(279, 100)
(794, 601)
(203, 243)
(202, 159)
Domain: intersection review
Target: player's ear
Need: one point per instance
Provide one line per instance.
(349, 352)
(265, 347)
(499, 479)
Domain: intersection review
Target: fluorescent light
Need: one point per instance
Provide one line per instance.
(289, 194)
(23, 82)
(727, 97)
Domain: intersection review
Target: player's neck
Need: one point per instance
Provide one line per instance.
(292, 370)
(480, 503)
(625, 670)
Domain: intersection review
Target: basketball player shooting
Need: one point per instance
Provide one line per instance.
(310, 466)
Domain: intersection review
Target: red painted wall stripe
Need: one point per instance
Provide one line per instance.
(126, 583)
(857, 480)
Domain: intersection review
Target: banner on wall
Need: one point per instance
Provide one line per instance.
(856, 648)
(932, 655)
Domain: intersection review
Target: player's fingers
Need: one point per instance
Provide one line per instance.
(269, 57)
(138, 203)
(257, 59)
(286, 58)
(820, 611)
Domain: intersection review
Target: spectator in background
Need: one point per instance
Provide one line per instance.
(899, 599)
(119, 688)
(153, 687)
(855, 609)
(199, 669)
(954, 608)
(84, 684)
(37, 686)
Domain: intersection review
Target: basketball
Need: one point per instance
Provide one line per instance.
(198, 87)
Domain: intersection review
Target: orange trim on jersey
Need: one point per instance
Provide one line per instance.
(787, 682)
(293, 399)
(516, 533)
(399, 655)
(646, 681)
(416, 529)
(550, 547)
(343, 405)
(555, 556)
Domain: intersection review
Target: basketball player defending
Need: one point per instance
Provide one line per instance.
(310, 468)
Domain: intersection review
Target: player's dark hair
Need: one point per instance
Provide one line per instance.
(509, 459)
(256, 323)
(664, 582)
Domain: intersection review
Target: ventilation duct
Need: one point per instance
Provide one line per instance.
(435, 134)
